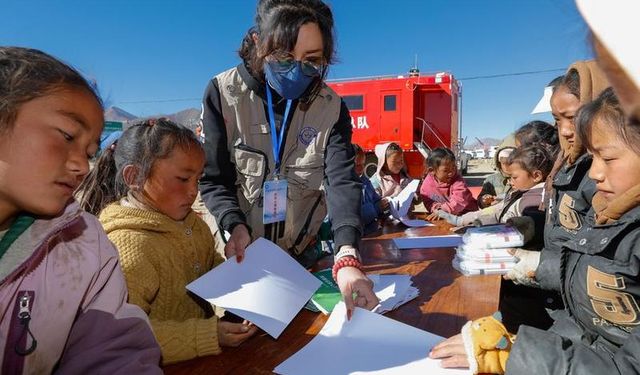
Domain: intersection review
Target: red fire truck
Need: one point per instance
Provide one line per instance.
(418, 112)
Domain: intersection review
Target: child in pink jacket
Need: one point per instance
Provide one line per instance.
(443, 187)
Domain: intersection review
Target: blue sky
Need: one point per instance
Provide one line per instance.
(152, 57)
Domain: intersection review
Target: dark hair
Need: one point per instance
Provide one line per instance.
(357, 150)
(277, 24)
(140, 146)
(533, 157)
(606, 107)
(535, 132)
(571, 81)
(392, 149)
(556, 81)
(27, 74)
(440, 155)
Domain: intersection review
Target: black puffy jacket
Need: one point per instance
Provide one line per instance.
(600, 286)
(568, 212)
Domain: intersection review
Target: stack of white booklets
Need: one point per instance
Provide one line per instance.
(485, 250)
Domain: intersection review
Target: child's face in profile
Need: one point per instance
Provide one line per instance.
(172, 186)
(564, 106)
(615, 165)
(521, 179)
(446, 171)
(395, 162)
(45, 155)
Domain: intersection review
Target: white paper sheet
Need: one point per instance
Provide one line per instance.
(415, 223)
(268, 288)
(400, 205)
(428, 242)
(367, 344)
(392, 291)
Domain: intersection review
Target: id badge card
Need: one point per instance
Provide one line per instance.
(274, 208)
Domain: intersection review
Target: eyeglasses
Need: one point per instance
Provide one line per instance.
(285, 61)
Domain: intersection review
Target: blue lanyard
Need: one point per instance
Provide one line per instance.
(276, 142)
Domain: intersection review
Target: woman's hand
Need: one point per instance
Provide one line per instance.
(234, 334)
(356, 289)
(238, 241)
(452, 352)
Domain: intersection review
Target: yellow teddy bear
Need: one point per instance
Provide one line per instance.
(487, 343)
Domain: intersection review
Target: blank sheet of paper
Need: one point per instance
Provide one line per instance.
(367, 344)
(268, 288)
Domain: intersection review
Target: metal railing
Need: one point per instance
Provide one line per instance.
(426, 125)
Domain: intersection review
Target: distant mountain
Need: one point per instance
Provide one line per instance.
(118, 114)
(487, 141)
(188, 117)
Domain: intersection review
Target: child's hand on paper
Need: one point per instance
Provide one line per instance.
(452, 352)
(353, 281)
(234, 334)
(238, 241)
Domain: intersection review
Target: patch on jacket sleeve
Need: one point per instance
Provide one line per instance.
(307, 135)
(567, 215)
(609, 299)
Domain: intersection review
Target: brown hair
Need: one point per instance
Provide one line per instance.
(27, 74)
(140, 145)
(607, 109)
(532, 158)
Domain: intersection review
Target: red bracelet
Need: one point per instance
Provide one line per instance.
(346, 261)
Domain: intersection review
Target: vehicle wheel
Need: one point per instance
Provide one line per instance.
(370, 164)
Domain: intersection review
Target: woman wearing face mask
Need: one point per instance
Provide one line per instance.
(273, 129)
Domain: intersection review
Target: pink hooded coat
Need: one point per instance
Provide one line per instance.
(455, 198)
(384, 184)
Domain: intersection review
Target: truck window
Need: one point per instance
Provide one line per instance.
(389, 103)
(354, 102)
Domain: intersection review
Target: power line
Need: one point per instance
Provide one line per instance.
(459, 79)
(160, 101)
(511, 74)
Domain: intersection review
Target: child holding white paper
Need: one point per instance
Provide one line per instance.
(144, 186)
(391, 176)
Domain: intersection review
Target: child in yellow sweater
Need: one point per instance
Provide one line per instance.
(144, 186)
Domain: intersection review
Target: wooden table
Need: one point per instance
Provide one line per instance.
(446, 301)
